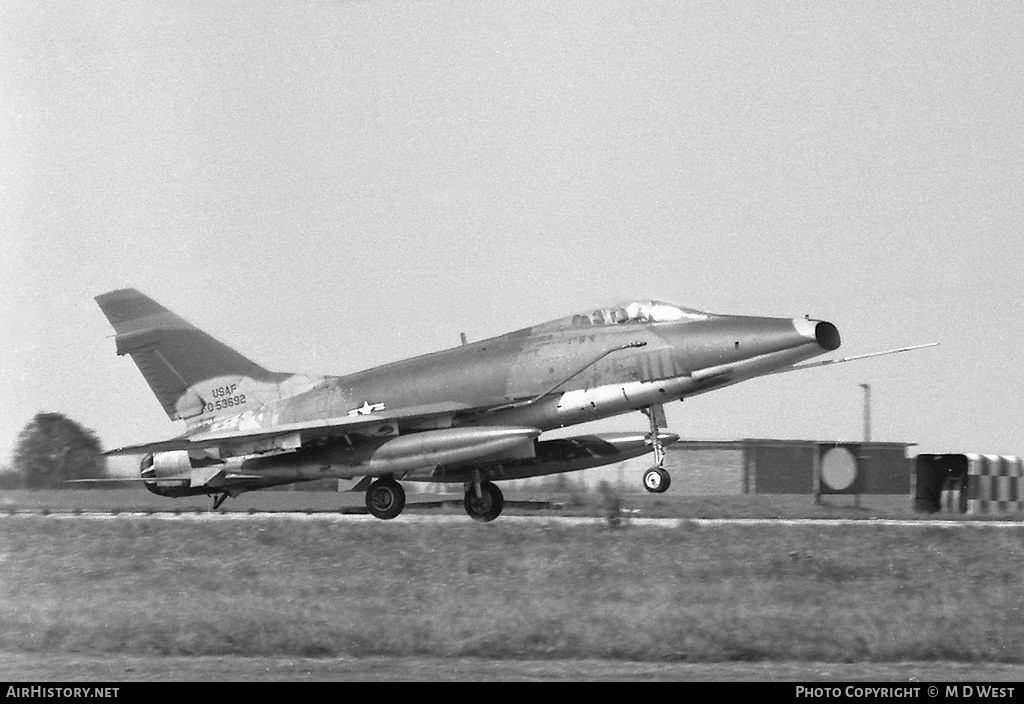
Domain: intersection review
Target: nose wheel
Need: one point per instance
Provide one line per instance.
(657, 480)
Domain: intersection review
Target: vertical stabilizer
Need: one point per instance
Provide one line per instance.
(193, 375)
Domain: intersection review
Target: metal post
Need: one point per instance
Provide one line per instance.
(816, 467)
(862, 460)
(867, 411)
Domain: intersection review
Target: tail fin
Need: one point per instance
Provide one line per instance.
(193, 375)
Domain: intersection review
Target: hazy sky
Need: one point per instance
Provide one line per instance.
(329, 186)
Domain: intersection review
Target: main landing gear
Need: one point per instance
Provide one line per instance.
(385, 498)
(656, 479)
(483, 500)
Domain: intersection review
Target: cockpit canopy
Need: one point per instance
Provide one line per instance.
(637, 311)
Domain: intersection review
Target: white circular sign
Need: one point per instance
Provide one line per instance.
(838, 469)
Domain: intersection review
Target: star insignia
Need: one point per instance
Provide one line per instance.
(366, 409)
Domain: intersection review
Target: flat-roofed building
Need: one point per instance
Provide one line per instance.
(758, 466)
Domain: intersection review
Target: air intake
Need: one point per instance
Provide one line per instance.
(827, 336)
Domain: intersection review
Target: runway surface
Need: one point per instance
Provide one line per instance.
(420, 518)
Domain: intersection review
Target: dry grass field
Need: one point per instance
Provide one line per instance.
(263, 587)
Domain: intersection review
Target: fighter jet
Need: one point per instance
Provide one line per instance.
(473, 415)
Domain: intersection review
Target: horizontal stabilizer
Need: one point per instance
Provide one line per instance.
(179, 443)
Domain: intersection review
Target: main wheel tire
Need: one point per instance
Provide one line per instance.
(657, 480)
(487, 506)
(385, 499)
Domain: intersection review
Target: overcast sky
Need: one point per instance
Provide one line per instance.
(329, 186)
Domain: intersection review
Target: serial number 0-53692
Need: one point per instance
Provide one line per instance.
(222, 403)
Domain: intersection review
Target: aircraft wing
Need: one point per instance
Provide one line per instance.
(293, 434)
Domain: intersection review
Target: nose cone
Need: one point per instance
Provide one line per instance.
(823, 332)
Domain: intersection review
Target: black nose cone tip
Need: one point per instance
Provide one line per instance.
(827, 335)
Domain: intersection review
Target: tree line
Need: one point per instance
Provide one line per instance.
(51, 450)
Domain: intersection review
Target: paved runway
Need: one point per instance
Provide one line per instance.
(414, 517)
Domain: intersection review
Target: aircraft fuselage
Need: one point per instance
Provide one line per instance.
(489, 377)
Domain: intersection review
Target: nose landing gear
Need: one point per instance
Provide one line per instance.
(656, 479)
